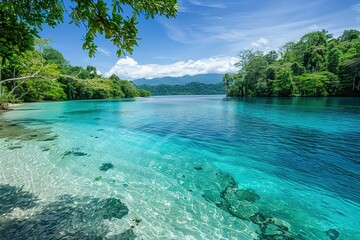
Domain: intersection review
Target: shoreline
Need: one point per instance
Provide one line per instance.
(53, 162)
(4, 107)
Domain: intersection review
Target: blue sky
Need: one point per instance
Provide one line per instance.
(207, 34)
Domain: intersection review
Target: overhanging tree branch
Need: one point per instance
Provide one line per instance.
(22, 78)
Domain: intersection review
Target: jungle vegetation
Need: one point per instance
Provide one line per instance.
(193, 88)
(21, 21)
(43, 74)
(33, 73)
(316, 65)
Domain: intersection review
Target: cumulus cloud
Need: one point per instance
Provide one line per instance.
(261, 42)
(128, 68)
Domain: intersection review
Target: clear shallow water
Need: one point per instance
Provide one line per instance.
(300, 157)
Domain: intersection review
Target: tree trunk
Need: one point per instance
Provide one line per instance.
(353, 88)
(0, 81)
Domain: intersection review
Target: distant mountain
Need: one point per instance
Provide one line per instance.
(203, 78)
(194, 88)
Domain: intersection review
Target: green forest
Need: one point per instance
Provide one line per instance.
(32, 71)
(316, 65)
(193, 88)
(43, 74)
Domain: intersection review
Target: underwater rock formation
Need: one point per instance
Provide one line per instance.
(13, 146)
(74, 153)
(112, 208)
(126, 235)
(333, 234)
(241, 203)
(17, 131)
(106, 166)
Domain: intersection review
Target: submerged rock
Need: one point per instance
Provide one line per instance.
(241, 203)
(333, 234)
(67, 153)
(272, 230)
(241, 209)
(113, 208)
(106, 166)
(11, 130)
(12, 147)
(45, 148)
(79, 154)
(225, 180)
(128, 235)
(74, 153)
(259, 219)
(212, 196)
(247, 194)
(137, 221)
(47, 138)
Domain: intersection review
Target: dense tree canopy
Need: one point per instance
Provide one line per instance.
(317, 65)
(193, 88)
(44, 74)
(21, 20)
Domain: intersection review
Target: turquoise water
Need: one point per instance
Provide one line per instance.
(194, 167)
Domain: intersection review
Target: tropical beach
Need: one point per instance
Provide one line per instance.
(225, 124)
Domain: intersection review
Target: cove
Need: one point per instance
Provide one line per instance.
(176, 167)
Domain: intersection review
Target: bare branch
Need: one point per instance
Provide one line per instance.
(21, 78)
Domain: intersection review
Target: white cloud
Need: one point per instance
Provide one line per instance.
(98, 72)
(261, 42)
(104, 51)
(128, 68)
(206, 4)
(356, 8)
(165, 58)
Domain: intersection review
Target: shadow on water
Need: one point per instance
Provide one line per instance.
(68, 217)
(14, 197)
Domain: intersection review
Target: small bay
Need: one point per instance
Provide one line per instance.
(181, 167)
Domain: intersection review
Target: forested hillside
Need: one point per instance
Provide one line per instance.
(194, 88)
(316, 65)
(211, 78)
(44, 74)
